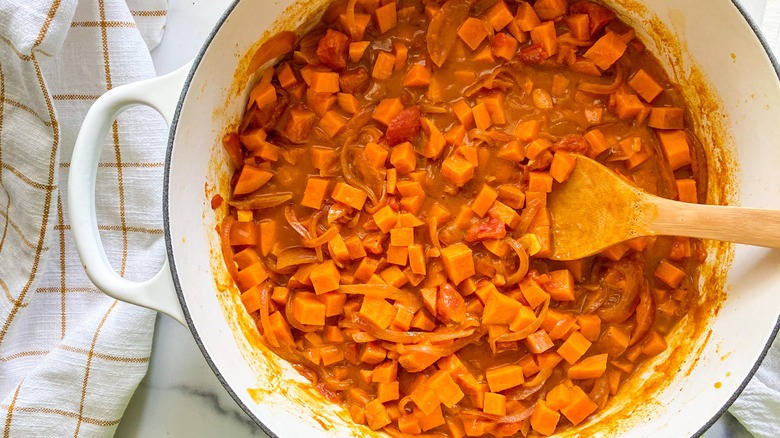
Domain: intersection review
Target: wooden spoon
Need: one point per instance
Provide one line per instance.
(595, 209)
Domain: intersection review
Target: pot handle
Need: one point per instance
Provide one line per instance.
(162, 94)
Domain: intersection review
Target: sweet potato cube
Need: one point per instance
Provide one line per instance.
(482, 116)
(574, 347)
(579, 26)
(539, 342)
(464, 114)
(386, 17)
(473, 32)
(383, 65)
(597, 142)
(543, 419)
(251, 276)
(403, 158)
(579, 407)
(348, 103)
(458, 262)
(562, 166)
(366, 269)
(378, 311)
(675, 147)
(357, 49)
(536, 147)
(250, 179)
(386, 110)
(402, 236)
(376, 155)
(332, 123)
(446, 389)
(417, 76)
(558, 397)
(686, 190)
(325, 277)
(512, 151)
(494, 404)
(504, 377)
(338, 249)
(527, 130)
(526, 17)
(394, 276)
(315, 192)
(401, 52)
(589, 368)
(524, 317)
(324, 82)
(397, 255)
(376, 413)
(386, 218)
(500, 309)
(645, 85)
(561, 288)
(544, 34)
(539, 182)
(417, 259)
(550, 9)
(495, 106)
(281, 329)
(666, 118)
(349, 195)
(457, 170)
(503, 46)
(669, 274)
(606, 50)
(499, 16)
(307, 309)
(627, 106)
(483, 200)
(320, 103)
(505, 214)
(334, 303)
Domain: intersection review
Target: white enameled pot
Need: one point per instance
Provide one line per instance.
(731, 83)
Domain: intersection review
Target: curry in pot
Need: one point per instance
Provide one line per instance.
(388, 230)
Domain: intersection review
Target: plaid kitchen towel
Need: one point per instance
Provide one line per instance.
(70, 356)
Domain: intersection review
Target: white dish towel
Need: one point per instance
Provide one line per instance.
(70, 356)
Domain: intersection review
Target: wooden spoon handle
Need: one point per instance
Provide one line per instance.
(752, 226)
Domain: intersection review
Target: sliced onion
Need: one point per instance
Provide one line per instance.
(264, 319)
(380, 291)
(433, 232)
(224, 243)
(527, 216)
(295, 223)
(441, 351)
(294, 257)
(443, 29)
(529, 329)
(322, 239)
(259, 202)
(644, 315)
(522, 261)
(288, 313)
(590, 87)
(406, 337)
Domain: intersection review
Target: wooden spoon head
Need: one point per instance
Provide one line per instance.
(593, 210)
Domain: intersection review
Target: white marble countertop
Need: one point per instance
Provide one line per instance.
(180, 396)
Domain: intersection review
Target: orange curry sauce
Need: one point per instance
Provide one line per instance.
(387, 225)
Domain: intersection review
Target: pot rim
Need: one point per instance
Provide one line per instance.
(177, 285)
